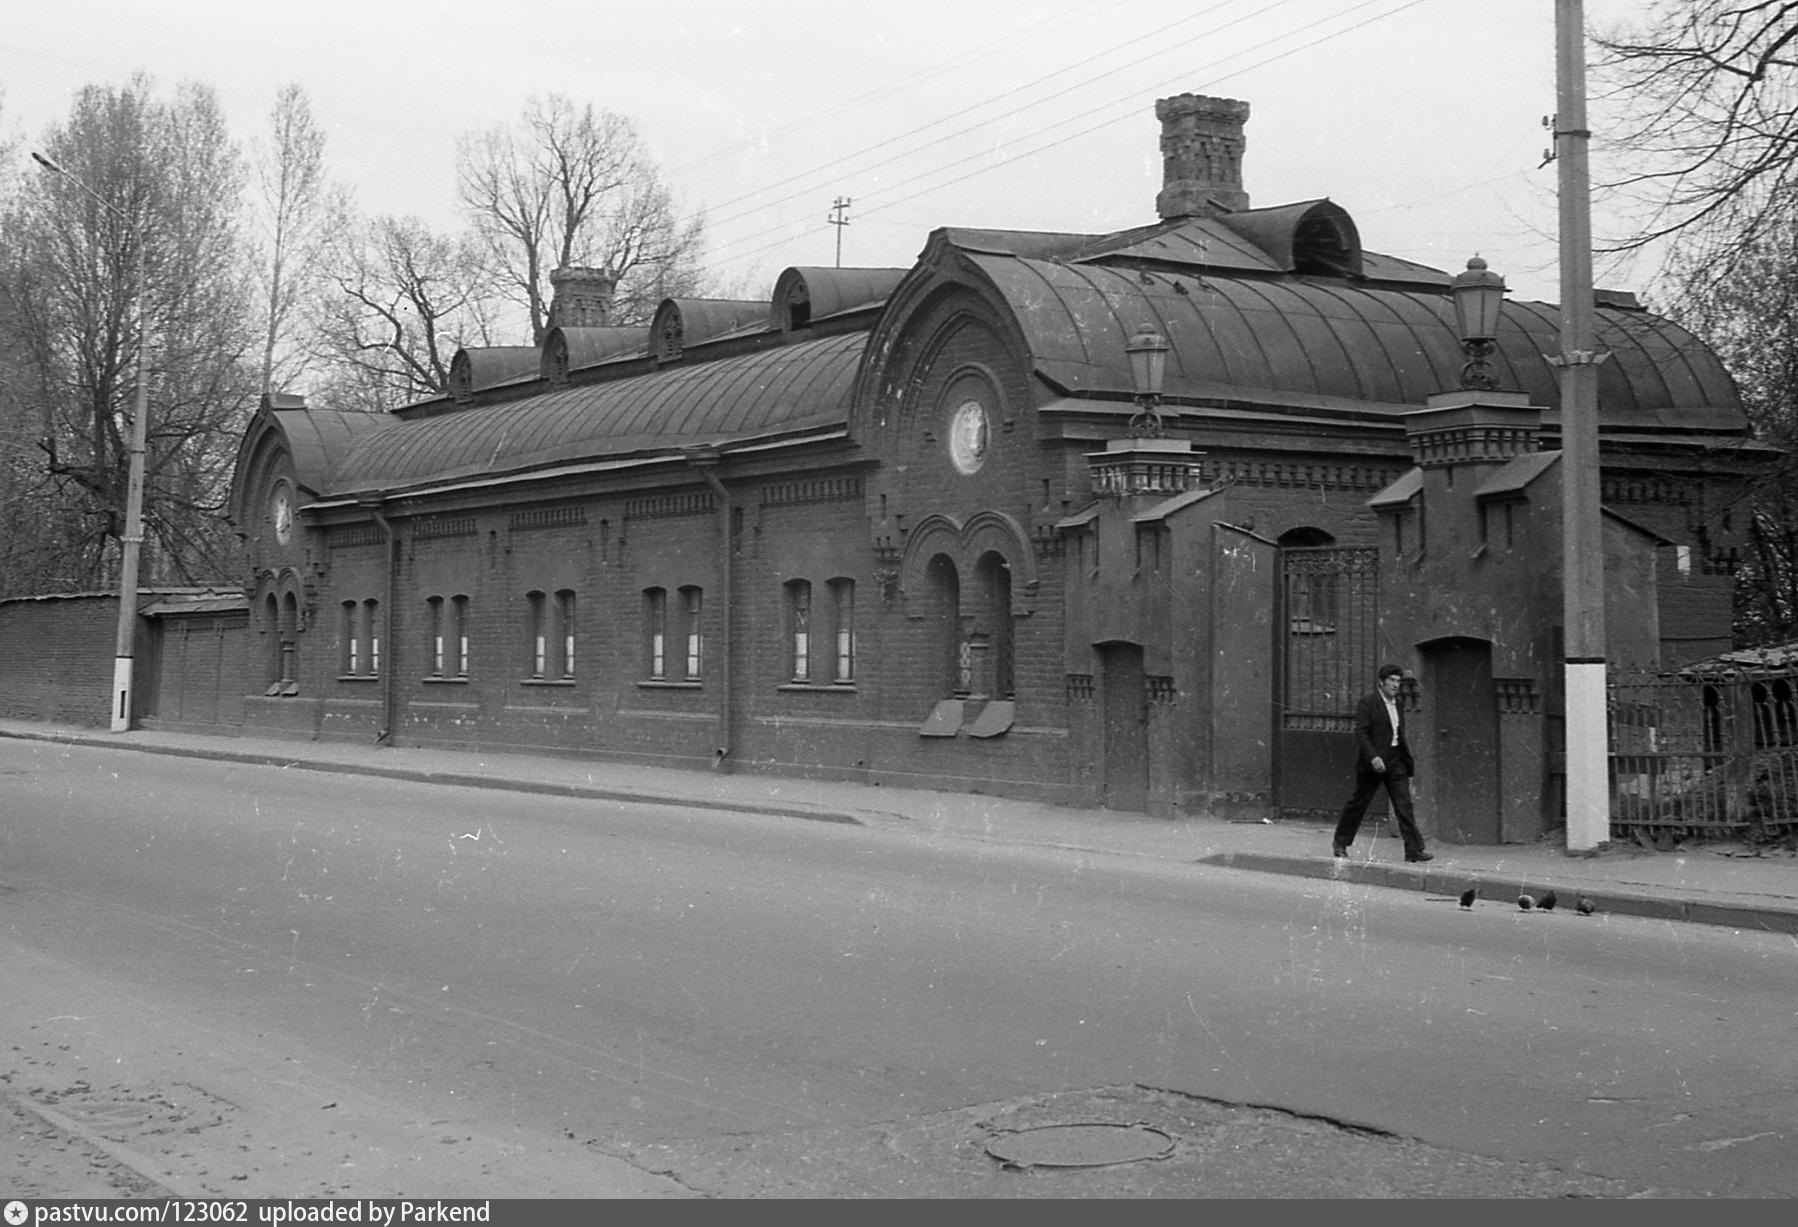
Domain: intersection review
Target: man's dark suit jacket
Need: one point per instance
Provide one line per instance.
(1373, 736)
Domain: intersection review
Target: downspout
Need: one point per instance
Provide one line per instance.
(371, 503)
(707, 460)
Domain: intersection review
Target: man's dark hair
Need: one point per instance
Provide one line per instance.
(1387, 671)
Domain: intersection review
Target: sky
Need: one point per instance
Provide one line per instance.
(1422, 118)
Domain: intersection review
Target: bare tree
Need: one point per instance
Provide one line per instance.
(1707, 150)
(146, 245)
(1750, 320)
(574, 186)
(297, 211)
(406, 300)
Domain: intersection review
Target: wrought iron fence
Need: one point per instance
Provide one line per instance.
(1704, 753)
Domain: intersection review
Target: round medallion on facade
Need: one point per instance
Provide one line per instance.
(280, 513)
(968, 436)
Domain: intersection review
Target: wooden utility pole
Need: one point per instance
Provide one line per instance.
(1582, 557)
(839, 217)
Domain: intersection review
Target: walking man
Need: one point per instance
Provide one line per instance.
(1382, 757)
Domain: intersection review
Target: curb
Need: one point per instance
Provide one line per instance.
(1451, 882)
(451, 778)
(141, 1165)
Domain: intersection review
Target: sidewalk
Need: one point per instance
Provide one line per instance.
(1717, 884)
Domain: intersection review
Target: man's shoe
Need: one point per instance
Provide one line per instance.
(1420, 856)
(1338, 850)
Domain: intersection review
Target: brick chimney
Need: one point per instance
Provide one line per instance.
(583, 298)
(1201, 156)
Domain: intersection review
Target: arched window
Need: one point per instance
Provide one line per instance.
(539, 632)
(1312, 592)
(288, 633)
(942, 611)
(992, 632)
(842, 623)
(565, 630)
(692, 606)
(435, 620)
(458, 628)
(799, 629)
(360, 637)
(655, 633)
(271, 627)
(371, 630)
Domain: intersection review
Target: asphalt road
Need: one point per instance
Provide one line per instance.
(268, 983)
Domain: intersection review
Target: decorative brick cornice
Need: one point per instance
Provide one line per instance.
(355, 535)
(666, 506)
(817, 490)
(430, 527)
(547, 517)
(1298, 475)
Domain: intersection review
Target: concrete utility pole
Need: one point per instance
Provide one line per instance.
(1582, 557)
(132, 539)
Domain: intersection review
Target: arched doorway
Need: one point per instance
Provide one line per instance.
(1124, 709)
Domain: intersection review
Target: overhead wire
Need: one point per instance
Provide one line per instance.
(983, 51)
(785, 228)
(837, 163)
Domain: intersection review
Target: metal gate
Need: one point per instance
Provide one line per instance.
(1328, 643)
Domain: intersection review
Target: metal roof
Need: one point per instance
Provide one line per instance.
(1309, 341)
(785, 388)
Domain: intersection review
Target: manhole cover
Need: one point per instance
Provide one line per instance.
(1090, 1145)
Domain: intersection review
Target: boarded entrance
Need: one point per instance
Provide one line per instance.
(1464, 788)
(1124, 699)
(1328, 644)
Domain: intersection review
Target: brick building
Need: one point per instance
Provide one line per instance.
(896, 524)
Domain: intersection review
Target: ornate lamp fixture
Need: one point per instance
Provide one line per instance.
(1148, 363)
(1479, 296)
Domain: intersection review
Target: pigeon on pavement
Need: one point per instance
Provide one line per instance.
(1547, 902)
(1584, 906)
(1468, 896)
(1525, 902)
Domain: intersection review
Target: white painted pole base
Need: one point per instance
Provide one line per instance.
(1588, 758)
(121, 694)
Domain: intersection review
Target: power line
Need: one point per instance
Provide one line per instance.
(787, 226)
(835, 164)
(982, 52)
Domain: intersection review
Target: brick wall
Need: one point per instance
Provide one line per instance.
(56, 659)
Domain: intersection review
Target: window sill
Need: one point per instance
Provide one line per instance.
(670, 686)
(817, 687)
(358, 677)
(565, 683)
(439, 680)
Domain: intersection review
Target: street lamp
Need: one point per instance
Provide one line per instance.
(1479, 295)
(132, 539)
(1147, 351)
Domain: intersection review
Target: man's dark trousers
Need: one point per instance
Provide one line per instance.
(1398, 789)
